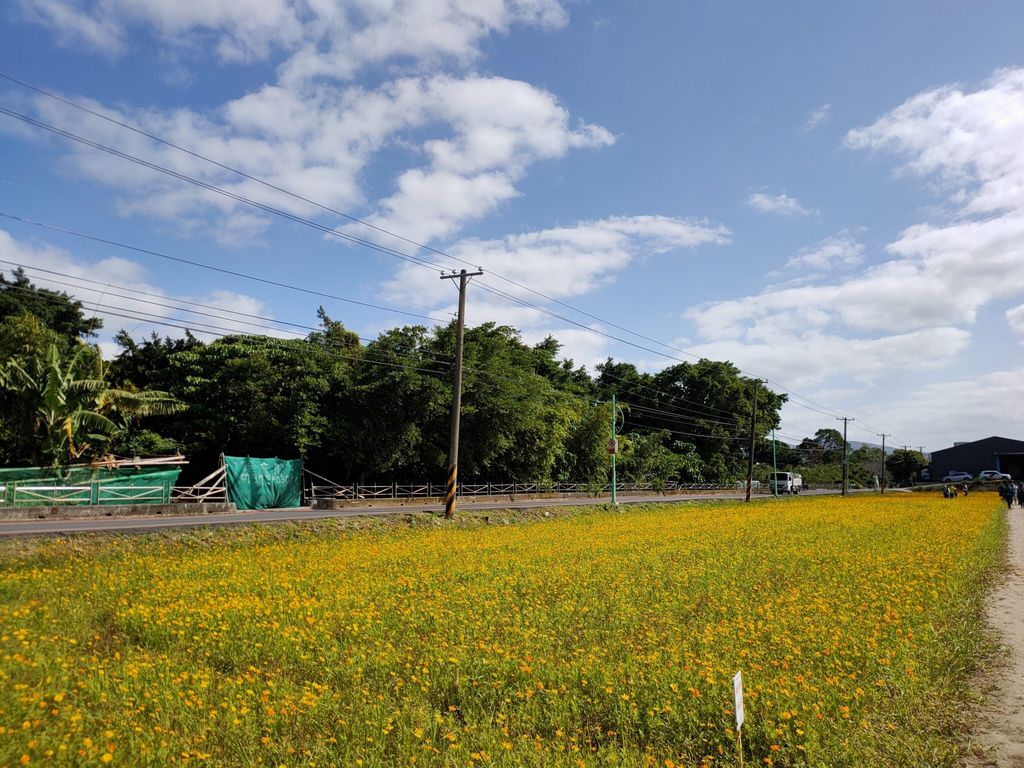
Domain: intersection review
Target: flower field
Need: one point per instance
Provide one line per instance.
(604, 638)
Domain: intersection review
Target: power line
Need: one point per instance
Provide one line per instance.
(151, 302)
(344, 236)
(234, 273)
(334, 232)
(181, 236)
(231, 272)
(221, 332)
(223, 166)
(321, 206)
(684, 416)
(672, 397)
(215, 189)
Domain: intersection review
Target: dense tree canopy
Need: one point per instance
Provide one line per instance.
(379, 411)
(61, 314)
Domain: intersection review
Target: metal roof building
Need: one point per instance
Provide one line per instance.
(1001, 453)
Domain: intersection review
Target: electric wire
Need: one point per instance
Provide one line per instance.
(797, 398)
(216, 190)
(680, 416)
(222, 332)
(181, 236)
(208, 328)
(319, 205)
(150, 252)
(231, 272)
(329, 230)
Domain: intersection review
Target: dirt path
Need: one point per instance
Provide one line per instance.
(998, 738)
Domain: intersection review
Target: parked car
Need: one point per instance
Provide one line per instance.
(993, 474)
(956, 476)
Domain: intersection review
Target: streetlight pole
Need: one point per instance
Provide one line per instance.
(753, 428)
(613, 446)
(775, 469)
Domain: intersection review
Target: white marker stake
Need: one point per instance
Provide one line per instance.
(737, 694)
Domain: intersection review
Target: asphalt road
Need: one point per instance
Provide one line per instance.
(156, 523)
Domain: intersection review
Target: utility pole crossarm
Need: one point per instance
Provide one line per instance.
(452, 485)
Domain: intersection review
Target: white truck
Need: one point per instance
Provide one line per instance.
(787, 482)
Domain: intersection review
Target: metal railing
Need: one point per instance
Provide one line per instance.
(326, 490)
(71, 495)
(199, 493)
(50, 495)
(138, 494)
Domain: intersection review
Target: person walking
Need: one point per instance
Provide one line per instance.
(1008, 492)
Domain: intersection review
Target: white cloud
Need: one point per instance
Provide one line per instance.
(939, 275)
(75, 25)
(478, 134)
(321, 38)
(499, 128)
(119, 292)
(840, 250)
(816, 118)
(561, 262)
(970, 408)
(358, 33)
(972, 140)
(800, 356)
(781, 204)
(911, 312)
(1015, 318)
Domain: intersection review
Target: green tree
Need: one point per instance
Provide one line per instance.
(22, 337)
(905, 465)
(826, 447)
(866, 465)
(75, 412)
(253, 396)
(515, 422)
(392, 422)
(584, 456)
(57, 311)
(654, 458)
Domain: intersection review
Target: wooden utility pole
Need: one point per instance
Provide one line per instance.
(883, 436)
(452, 487)
(846, 446)
(753, 427)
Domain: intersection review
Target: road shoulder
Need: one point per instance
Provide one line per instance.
(997, 739)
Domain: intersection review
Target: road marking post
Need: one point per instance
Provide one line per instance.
(737, 695)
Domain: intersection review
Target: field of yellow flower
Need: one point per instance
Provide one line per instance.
(597, 639)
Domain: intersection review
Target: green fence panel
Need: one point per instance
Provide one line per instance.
(264, 483)
(153, 487)
(124, 485)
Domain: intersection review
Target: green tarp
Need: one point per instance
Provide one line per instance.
(264, 483)
(40, 486)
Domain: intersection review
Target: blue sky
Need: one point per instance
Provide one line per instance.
(829, 195)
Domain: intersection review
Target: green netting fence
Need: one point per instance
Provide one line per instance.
(42, 486)
(264, 483)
